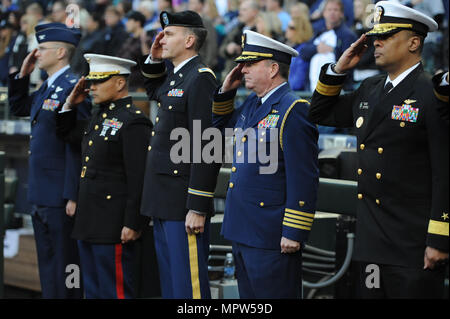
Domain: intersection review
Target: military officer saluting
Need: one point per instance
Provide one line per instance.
(54, 166)
(402, 222)
(179, 195)
(114, 148)
(269, 212)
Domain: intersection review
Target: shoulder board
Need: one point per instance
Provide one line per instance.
(202, 70)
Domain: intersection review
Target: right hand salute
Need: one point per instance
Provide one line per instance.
(233, 79)
(78, 94)
(28, 64)
(352, 55)
(156, 49)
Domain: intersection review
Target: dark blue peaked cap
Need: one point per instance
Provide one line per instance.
(57, 32)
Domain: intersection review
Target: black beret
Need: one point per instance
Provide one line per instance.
(182, 19)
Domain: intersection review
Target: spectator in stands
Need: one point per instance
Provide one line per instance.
(13, 17)
(231, 17)
(148, 10)
(298, 9)
(124, 7)
(268, 24)
(329, 43)
(8, 6)
(231, 45)
(298, 33)
(276, 6)
(59, 11)
(91, 42)
(115, 34)
(36, 10)
(317, 18)
(6, 43)
(209, 50)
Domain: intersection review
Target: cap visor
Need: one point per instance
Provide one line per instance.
(248, 58)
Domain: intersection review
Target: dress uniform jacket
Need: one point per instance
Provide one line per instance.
(114, 148)
(54, 166)
(171, 189)
(403, 164)
(261, 208)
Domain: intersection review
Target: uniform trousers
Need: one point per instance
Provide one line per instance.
(397, 282)
(182, 260)
(107, 270)
(55, 250)
(267, 273)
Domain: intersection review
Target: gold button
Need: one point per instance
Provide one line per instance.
(128, 106)
(112, 106)
(87, 158)
(239, 153)
(380, 150)
(104, 115)
(153, 133)
(159, 104)
(359, 171)
(96, 127)
(244, 139)
(360, 196)
(149, 147)
(157, 119)
(90, 143)
(301, 203)
(138, 112)
(230, 185)
(402, 124)
(175, 172)
(108, 197)
(362, 146)
(29, 152)
(377, 201)
(263, 133)
(261, 140)
(261, 204)
(106, 138)
(31, 136)
(378, 175)
(233, 169)
(170, 107)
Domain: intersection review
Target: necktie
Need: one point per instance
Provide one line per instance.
(387, 88)
(258, 102)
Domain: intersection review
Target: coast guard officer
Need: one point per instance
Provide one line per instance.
(54, 166)
(403, 155)
(268, 215)
(114, 148)
(179, 195)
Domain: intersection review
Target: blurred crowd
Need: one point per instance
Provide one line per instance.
(320, 30)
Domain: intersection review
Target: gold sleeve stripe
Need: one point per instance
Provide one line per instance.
(296, 226)
(223, 108)
(193, 264)
(299, 217)
(285, 117)
(297, 222)
(441, 97)
(153, 76)
(200, 193)
(296, 212)
(225, 103)
(328, 90)
(438, 228)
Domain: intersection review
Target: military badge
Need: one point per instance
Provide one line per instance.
(176, 93)
(359, 122)
(113, 124)
(54, 96)
(165, 18)
(50, 105)
(378, 14)
(405, 113)
(58, 89)
(364, 105)
(269, 121)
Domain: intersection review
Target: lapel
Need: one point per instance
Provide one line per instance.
(265, 108)
(41, 96)
(384, 106)
(174, 80)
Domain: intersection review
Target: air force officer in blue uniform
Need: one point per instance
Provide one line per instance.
(54, 166)
(270, 207)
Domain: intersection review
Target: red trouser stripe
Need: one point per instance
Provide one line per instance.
(119, 272)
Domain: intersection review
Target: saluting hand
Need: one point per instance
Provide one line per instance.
(233, 79)
(28, 64)
(289, 246)
(156, 49)
(78, 94)
(350, 58)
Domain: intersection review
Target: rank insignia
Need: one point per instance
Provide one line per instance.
(176, 93)
(269, 121)
(50, 105)
(364, 105)
(113, 124)
(274, 111)
(405, 113)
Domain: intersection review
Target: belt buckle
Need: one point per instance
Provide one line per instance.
(83, 171)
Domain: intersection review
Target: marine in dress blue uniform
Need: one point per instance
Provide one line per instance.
(403, 156)
(54, 165)
(179, 195)
(265, 209)
(114, 147)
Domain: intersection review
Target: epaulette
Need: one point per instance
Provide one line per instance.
(202, 70)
